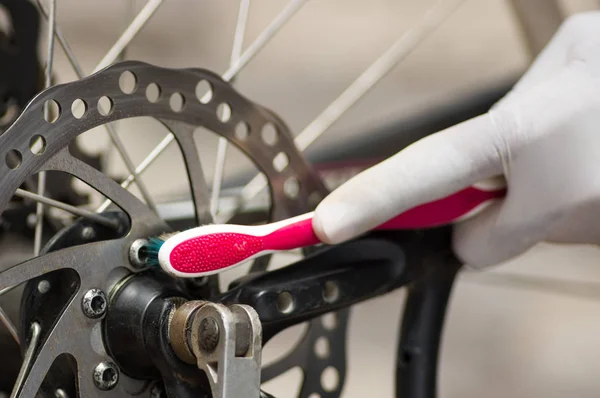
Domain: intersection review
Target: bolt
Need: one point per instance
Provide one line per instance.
(106, 375)
(88, 233)
(60, 393)
(93, 303)
(208, 335)
(136, 253)
(31, 218)
(43, 286)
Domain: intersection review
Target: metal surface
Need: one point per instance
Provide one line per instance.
(93, 303)
(106, 376)
(230, 375)
(378, 261)
(94, 263)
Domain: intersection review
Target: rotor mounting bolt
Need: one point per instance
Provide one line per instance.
(208, 335)
(136, 253)
(106, 375)
(88, 233)
(94, 303)
(43, 286)
(31, 219)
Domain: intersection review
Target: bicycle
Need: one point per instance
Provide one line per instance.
(133, 324)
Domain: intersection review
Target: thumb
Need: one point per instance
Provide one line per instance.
(427, 170)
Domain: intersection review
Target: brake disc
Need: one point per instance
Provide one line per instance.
(99, 266)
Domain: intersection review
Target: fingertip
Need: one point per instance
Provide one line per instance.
(326, 223)
(319, 229)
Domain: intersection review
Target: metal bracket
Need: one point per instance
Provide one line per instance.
(226, 342)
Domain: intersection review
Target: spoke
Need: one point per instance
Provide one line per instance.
(129, 165)
(39, 215)
(39, 209)
(250, 53)
(367, 80)
(266, 35)
(63, 43)
(7, 289)
(238, 41)
(57, 339)
(27, 360)
(218, 176)
(109, 127)
(152, 156)
(9, 325)
(108, 222)
(132, 30)
(240, 31)
(127, 16)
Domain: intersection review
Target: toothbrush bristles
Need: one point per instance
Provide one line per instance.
(152, 248)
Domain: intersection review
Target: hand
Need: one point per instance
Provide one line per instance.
(543, 136)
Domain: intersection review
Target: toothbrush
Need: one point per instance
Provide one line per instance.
(211, 249)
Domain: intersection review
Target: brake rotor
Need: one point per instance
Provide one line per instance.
(100, 265)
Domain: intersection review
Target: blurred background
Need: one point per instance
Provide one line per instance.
(506, 334)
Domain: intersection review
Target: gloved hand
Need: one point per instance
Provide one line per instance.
(544, 137)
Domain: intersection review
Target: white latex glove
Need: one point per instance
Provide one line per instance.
(544, 137)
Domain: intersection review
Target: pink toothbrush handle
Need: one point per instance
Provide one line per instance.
(210, 249)
(444, 211)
